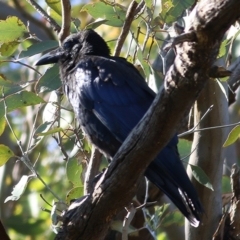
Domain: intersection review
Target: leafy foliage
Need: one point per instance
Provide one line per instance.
(201, 176)
(5, 154)
(233, 136)
(19, 189)
(11, 29)
(114, 16)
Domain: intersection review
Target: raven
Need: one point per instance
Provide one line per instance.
(109, 97)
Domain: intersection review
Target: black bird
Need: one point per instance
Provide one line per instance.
(109, 97)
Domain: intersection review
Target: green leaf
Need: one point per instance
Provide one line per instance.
(165, 8)
(171, 9)
(2, 125)
(43, 128)
(50, 81)
(162, 236)
(8, 87)
(74, 170)
(98, 22)
(4, 82)
(19, 189)
(55, 5)
(115, 15)
(50, 132)
(38, 48)
(5, 154)
(201, 176)
(149, 3)
(7, 49)
(74, 193)
(22, 99)
(11, 29)
(77, 23)
(223, 48)
(7, 91)
(232, 136)
(19, 100)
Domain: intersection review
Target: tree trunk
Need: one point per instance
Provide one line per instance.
(208, 154)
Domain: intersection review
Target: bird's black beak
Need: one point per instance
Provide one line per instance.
(51, 57)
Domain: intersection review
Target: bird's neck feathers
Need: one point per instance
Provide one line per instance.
(94, 44)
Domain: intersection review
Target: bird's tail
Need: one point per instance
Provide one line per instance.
(168, 174)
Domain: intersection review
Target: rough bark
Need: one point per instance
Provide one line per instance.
(90, 217)
(229, 227)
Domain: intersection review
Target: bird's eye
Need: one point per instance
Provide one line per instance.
(69, 44)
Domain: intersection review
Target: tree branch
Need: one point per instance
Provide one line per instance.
(92, 170)
(66, 20)
(52, 22)
(131, 13)
(210, 159)
(39, 24)
(229, 227)
(184, 81)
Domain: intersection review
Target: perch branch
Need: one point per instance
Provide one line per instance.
(91, 217)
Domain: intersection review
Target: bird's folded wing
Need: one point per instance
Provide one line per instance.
(118, 94)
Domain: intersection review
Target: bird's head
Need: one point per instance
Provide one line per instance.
(86, 42)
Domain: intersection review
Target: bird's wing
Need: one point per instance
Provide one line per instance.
(115, 92)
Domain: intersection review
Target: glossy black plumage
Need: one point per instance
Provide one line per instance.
(109, 97)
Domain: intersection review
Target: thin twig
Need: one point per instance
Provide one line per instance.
(40, 10)
(75, 131)
(187, 156)
(150, 48)
(66, 20)
(25, 159)
(193, 129)
(23, 64)
(209, 128)
(145, 211)
(137, 44)
(126, 26)
(45, 200)
(131, 211)
(58, 112)
(146, 36)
